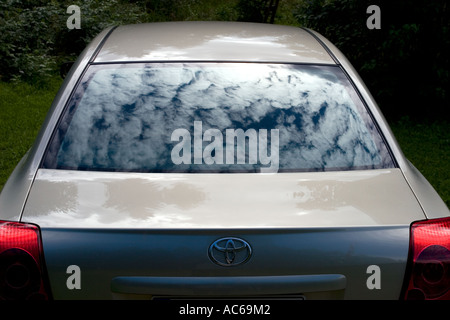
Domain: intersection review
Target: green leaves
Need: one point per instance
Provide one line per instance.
(405, 63)
(34, 38)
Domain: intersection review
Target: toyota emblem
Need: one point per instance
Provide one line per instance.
(230, 252)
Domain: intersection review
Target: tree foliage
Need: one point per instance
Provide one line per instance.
(34, 38)
(405, 63)
(257, 10)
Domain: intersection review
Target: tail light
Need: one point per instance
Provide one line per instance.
(429, 261)
(22, 274)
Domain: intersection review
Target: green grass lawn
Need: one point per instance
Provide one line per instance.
(23, 108)
(427, 146)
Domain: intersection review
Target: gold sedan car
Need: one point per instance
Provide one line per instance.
(219, 160)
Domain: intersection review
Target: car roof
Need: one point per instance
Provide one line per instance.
(212, 41)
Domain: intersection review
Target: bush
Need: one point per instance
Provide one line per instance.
(405, 63)
(34, 37)
(25, 43)
(257, 10)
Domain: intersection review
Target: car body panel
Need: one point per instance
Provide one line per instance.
(430, 201)
(203, 41)
(132, 264)
(15, 191)
(72, 199)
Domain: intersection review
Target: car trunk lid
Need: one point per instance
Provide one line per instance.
(312, 235)
(79, 199)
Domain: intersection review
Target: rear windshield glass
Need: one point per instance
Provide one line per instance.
(215, 117)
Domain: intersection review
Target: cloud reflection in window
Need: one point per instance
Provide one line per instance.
(124, 115)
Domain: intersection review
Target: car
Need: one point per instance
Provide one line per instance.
(219, 160)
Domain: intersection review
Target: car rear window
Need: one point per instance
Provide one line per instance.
(215, 117)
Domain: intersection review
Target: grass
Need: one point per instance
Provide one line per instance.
(427, 146)
(23, 108)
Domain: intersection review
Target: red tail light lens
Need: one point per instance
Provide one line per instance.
(429, 262)
(21, 263)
